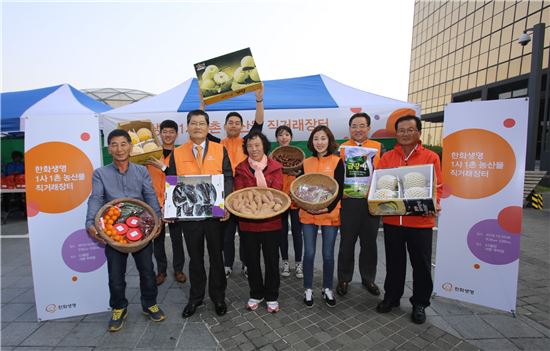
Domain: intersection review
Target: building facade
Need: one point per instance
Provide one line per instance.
(468, 51)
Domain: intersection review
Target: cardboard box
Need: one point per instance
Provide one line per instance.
(227, 76)
(400, 205)
(134, 126)
(194, 197)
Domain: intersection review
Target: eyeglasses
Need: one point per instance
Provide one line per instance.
(198, 124)
(358, 126)
(406, 131)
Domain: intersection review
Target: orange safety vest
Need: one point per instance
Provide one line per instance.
(187, 164)
(367, 143)
(325, 165)
(235, 150)
(158, 178)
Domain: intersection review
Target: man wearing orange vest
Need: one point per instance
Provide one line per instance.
(234, 145)
(168, 135)
(412, 234)
(201, 156)
(357, 222)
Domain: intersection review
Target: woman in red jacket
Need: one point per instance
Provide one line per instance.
(260, 235)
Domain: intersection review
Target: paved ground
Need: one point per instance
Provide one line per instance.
(352, 325)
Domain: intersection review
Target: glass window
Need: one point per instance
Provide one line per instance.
(495, 41)
(467, 52)
(534, 19)
(506, 35)
(484, 47)
(521, 8)
(498, 6)
(475, 48)
(460, 28)
(487, 11)
(468, 37)
(497, 22)
(481, 77)
(463, 83)
(508, 17)
(476, 34)
(469, 21)
(513, 69)
(491, 75)
(519, 92)
(493, 57)
(504, 53)
(462, 10)
(483, 60)
(451, 60)
(486, 28)
(473, 63)
(465, 67)
(505, 95)
(526, 64)
(502, 72)
(478, 16)
(460, 40)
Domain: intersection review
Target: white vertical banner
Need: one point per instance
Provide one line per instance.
(69, 268)
(478, 241)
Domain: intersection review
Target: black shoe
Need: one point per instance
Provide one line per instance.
(342, 288)
(418, 315)
(328, 296)
(385, 306)
(220, 307)
(372, 288)
(190, 309)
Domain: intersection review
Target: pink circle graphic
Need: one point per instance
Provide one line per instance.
(509, 122)
(85, 136)
(81, 253)
(376, 117)
(490, 243)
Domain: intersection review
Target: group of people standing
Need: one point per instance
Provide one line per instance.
(244, 162)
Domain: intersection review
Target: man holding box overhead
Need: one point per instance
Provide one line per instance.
(201, 156)
(409, 233)
(357, 222)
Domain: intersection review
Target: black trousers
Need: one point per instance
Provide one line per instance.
(178, 252)
(230, 227)
(195, 233)
(268, 244)
(418, 242)
(357, 222)
(116, 266)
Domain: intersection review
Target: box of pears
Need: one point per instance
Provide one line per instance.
(145, 142)
(227, 76)
(403, 191)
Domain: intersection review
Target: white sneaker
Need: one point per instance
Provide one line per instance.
(244, 272)
(285, 272)
(273, 307)
(308, 298)
(253, 304)
(328, 295)
(299, 270)
(228, 272)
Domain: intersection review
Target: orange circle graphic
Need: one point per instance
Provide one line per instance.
(58, 175)
(477, 163)
(395, 115)
(509, 219)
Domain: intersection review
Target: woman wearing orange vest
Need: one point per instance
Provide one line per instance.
(322, 145)
(284, 137)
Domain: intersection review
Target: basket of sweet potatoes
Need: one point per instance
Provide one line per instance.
(291, 157)
(257, 203)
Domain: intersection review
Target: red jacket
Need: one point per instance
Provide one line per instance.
(420, 156)
(244, 178)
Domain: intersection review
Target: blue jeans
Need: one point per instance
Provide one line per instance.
(116, 265)
(310, 240)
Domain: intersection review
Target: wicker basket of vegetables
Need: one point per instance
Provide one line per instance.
(257, 203)
(291, 157)
(127, 224)
(313, 191)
